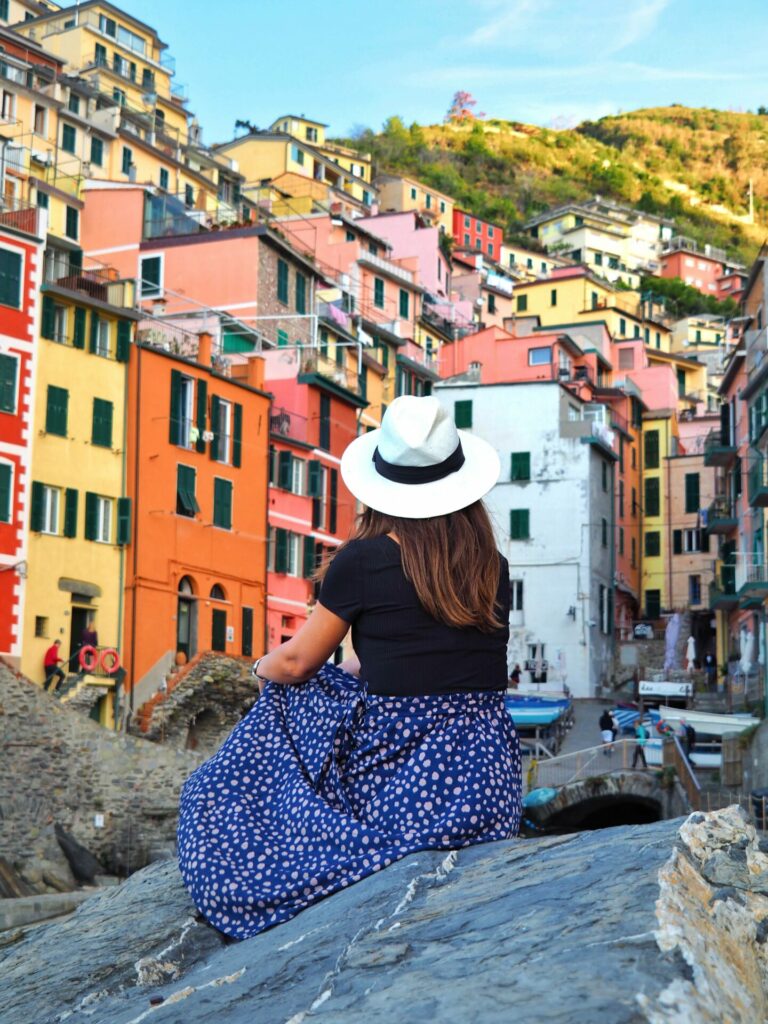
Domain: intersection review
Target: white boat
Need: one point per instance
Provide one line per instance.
(707, 723)
(705, 755)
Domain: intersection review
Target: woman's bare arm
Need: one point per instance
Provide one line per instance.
(301, 656)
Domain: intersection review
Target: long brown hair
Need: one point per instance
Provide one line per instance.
(451, 561)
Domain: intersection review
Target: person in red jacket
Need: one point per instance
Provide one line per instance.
(51, 663)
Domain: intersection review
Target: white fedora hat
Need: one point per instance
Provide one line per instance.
(417, 464)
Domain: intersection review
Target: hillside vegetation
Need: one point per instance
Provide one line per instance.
(693, 165)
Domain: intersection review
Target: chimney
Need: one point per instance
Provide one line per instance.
(204, 347)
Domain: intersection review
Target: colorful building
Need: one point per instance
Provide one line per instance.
(196, 476)
(705, 268)
(471, 232)
(399, 194)
(21, 236)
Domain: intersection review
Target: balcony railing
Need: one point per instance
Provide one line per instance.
(721, 516)
(385, 266)
(100, 283)
(757, 483)
(446, 326)
(342, 376)
(20, 216)
(756, 344)
(288, 424)
(19, 76)
(718, 450)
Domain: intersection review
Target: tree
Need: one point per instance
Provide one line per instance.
(246, 126)
(460, 110)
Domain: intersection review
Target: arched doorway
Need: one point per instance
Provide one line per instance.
(186, 618)
(218, 620)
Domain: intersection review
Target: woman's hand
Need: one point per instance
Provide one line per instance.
(300, 657)
(351, 665)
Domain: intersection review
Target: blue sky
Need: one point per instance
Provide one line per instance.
(547, 62)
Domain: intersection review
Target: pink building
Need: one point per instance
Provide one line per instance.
(709, 271)
(21, 239)
(410, 239)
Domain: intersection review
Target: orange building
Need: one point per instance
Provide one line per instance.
(197, 475)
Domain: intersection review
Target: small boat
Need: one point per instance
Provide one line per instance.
(710, 728)
(707, 722)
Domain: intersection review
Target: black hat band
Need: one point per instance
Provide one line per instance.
(419, 474)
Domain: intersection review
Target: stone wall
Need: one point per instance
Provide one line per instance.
(58, 766)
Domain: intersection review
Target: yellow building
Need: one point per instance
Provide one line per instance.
(293, 156)
(398, 194)
(80, 518)
(528, 263)
(660, 441)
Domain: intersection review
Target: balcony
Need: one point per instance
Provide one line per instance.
(20, 216)
(101, 284)
(386, 267)
(722, 595)
(751, 580)
(314, 365)
(757, 484)
(721, 516)
(756, 344)
(718, 450)
(283, 423)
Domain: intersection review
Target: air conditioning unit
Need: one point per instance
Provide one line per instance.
(207, 436)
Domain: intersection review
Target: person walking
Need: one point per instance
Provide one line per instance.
(338, 771)
(514, 679)
(641, 738)
(51, 662)
(606, 731)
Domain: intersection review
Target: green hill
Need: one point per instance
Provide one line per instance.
(693, 165)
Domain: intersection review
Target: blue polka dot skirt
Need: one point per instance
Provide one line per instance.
(323, 784)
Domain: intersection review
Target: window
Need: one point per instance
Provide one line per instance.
(59, 324)
(553, 297)
(378, 292)
(694, 590)
(182, 395)
(651, 449)
(97, 151)
(222, 503)
(621, 499)
(595, 300)
(633, 557)
(101, 430)
(9, 366)
(324, 436)
(164, 179)
(691, 492)
(522, 303)
(100, 56)
(301, 293)
(519, 524)
(366, 197)
(100, 336)
(521, 466)
(127, 160)
(681, 383)
(189, 198)
(103, 519)
(40, 117)
(42, 199)
(489, 247)
(604, 532)
(658, 339)
(539, 356)
(652, 504)
(10, 278)
(626, 359)
(691, 541)
(4, 5)
(652, 604)
(442, 206)
(467, 241)
(72, 225)
(515, 595)
(282, 338)
(8, 106)
(491, 303)
(604, 603)
(41, 626)
(6, 491)
(150, 276)
(282, 282)
(56, 411)
(298, 476)
(221, 424)
(604, 475)
(622, 327)
(634, 502)
(297, 155)
(621, 540)
(108, 26)
(68, 138)
(652, 544)
(404, 304)
(462, 414)
(50, 510)
(413, 193)
(186, 502)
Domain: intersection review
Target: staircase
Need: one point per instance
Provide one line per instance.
(81, 693)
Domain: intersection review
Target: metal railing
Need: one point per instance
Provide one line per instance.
(100, 283)
(583, 764)
(757, 480)
(21, 216)
(673, 756)
(314, 362)
(288, 424)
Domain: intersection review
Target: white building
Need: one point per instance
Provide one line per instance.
(553, 513)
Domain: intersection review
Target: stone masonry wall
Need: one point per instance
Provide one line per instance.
(58, 766)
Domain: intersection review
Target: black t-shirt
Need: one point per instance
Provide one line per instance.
(402, 649)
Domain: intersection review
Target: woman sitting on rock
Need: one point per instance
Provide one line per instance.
(326, 782)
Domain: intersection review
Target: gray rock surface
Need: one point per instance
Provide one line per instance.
(558, 930)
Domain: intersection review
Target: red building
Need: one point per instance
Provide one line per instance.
(707, 269)
(471, 232)
(21, 240)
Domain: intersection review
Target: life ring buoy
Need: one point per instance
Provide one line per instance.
(664, 728)
(88, 657)
(109, 653)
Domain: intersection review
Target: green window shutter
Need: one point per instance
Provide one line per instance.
(246, 643)
(651, 445)
(323, 342)
(284, 470)
(652, 503)
(522, 303)
(519, 524)
(213, 451)
(462, 413)
(36, 512)
(404, 304)
(237, 435)
(222, 503)
(704, 541)
(123, 520)
(378, 292)
(309, 558)
(78, 338)
(272, 465)
(281, 550)
(175, 422)
(282, 281)
(56, 411)
(70, 512)
(521, 466)
(333, 502)
(301, 293)
(123, 349)
(97, 151)
(10, 278)
(314, 478)
(72, 226)
(652, 544)
(47, 320)
(202, 410)
(677, 542)
(8, 371)
(186, 501)
(691, 492)
(91, 515)
(94, 339)
(101, 433)
(5, 492)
